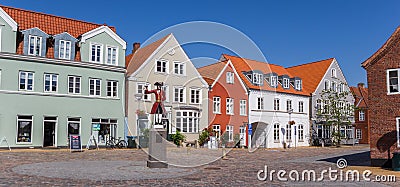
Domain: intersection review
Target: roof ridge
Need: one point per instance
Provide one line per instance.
(245, 58)
(212, 64)
(52, 15)
(309, 63)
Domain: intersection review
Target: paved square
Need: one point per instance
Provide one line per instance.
(127, 167)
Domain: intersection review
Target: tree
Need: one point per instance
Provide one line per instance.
(335, 111)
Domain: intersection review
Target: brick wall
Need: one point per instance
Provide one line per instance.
(383, 108)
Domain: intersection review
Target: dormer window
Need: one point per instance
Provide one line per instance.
(297, 84)
(96, 51)
(257, 78)
(274, 80)
(65, 49)
(35, 45)
(285, 83)
(112, 55)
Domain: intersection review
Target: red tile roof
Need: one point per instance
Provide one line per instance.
(243, 65)
(50, 24)
(393, 39)
(136, 59)
(311, 73)
(211, 72)
(361, 96)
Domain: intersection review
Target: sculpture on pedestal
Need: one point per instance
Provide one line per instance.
(158, 107)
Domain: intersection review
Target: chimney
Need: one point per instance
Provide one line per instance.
(136, 46)
(360, 85)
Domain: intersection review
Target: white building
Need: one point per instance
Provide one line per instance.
(276, 101)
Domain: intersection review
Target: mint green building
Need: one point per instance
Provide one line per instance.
(59, 78)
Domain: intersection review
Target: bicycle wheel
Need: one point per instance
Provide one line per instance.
(122, 144)
(110, 144)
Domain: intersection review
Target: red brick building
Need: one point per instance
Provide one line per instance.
(227, 97)
(360, 94)
(383, 73)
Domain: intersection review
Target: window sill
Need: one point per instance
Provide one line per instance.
(161, 73)
(217, 113)
(277, 141)
(23, 143)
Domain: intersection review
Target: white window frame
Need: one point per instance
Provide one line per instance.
(162, 66)
(74, 84)
(358, 134)
(198, 93)
(35, 45)
(51, 82)
(26, 80)
(66, 45)
(288, 133)
(243, 107)
(276, 132)
(180, 99)
(165, 88)
(257, 78)
(276, 104)
(111, 57)
(260, 103)
(0, 73)
(217, 129)
(73, 120)
(181, 68)
(388, 81)
(289, 105)
(114, 89)
(195, 120)
(24, 120)
(229, 130)
(297, 84)
(327, 85)
(229, 106)
(301, 106)
(217, 105)
(300, 132)
(95, 90)
(334, 86)
(361, 115)
(230, 78)
(333, 73)
(91, 53)
(145, 97)
(274, 81)
(285, 83)
(398, 130)
(0, 40)
(318, 106)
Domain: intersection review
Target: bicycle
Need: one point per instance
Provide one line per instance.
(116, 143)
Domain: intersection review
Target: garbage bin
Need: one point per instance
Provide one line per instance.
(131, 141)
(396, 161)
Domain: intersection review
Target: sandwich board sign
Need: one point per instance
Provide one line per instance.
(75, 143)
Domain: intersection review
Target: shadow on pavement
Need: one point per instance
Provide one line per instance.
(356, 159)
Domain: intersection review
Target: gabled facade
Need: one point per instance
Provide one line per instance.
(360, 94)
(317, 77)
(276, 98)
(186, 91)
(383, 96)
(50, 86)
(228, 105)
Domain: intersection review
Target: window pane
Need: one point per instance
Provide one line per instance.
(77, 85)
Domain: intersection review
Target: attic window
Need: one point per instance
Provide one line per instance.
(333, 72)
(285, 83)
(257, 78)
(273, 82)
(35, 45)
(297, 84)
(65, 49)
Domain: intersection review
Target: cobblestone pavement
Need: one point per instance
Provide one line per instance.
(126, 167)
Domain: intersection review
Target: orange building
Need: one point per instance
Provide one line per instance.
(228, 106)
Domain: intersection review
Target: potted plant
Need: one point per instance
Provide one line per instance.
(178, 138)
(292, 122)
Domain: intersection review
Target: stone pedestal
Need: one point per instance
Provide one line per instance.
(157, 149)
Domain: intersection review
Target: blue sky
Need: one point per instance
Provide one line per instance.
(287, 32)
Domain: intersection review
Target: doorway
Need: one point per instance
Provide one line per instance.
(49, 131)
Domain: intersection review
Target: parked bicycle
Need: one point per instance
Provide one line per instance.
(116, 143)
